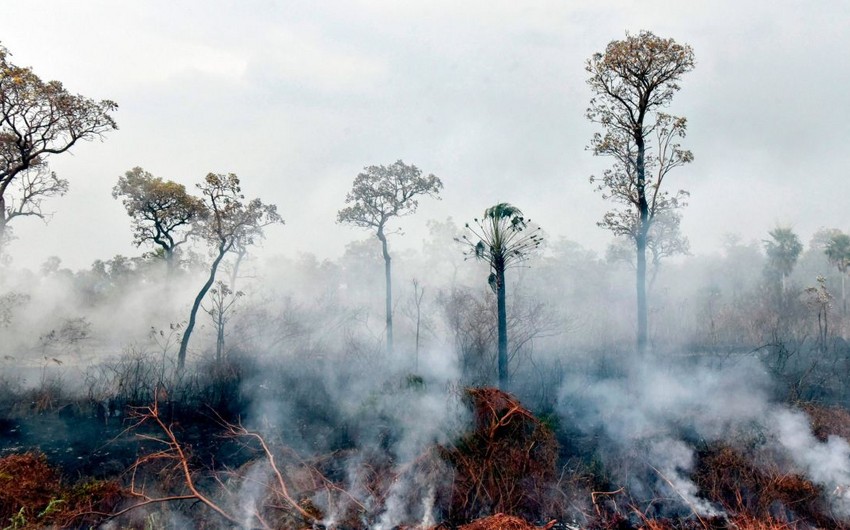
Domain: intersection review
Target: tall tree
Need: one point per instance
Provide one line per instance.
(39, 119)
(783, 250)
(379, 194)
(162, 212)
(228, 219)
(632, 81)
(501, 238)
(838, 252)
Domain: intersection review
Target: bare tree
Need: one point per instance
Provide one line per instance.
(379, 194)
(39, 119)
(222, 300)
(414, 311)
(26, 197)
(162, 212)
(819, 299)
(500, 238)
(632, 81)
(228, 219)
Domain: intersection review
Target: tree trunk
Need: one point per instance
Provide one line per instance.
(169, 262)
(418, 323)
(184, 342)
(641, 295)
(234, 274)
(643, 230)
(843, 296)
(3, 224)
(219, 343)
(389, 290)
(503, 326)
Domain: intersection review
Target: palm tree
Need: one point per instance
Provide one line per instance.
(783, 250)
(838, 252)
(504, 238)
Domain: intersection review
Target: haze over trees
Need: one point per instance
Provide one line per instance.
(39, 119)
(502, 238)
(293, 409)
(664, 240)
(632, 80)
(379, 194)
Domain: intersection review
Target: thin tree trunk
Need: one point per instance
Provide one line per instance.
(389, 290)
(184, 342)
(418, 298)
(219, 343)
(642, 323)
(643, 230)
(234, 274)
(503, 326)
(169, 263)
(843, 296)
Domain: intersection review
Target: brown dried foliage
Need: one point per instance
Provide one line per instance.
(501, 521)
(827, 421)
(507, 464)
(26, 481)
(33, 494)
(761, 495)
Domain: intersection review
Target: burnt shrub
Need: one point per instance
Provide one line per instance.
(506, 464)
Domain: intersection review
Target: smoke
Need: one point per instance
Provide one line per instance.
(673, 460)
(309, 340)
(649, 420)
(825, 463)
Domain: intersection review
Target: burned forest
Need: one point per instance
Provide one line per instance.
(424, 266)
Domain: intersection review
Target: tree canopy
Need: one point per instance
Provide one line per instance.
(162, 212)
(380, 193)
(39, 119)
(783, 250)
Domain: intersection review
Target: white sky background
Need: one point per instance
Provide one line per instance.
(296, 97)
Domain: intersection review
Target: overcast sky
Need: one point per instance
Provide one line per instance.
(296, 97)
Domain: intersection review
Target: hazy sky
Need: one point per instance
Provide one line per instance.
(296, 97)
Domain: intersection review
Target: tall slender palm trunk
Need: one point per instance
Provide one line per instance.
(503, 327)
